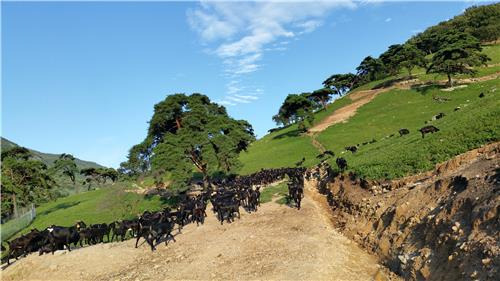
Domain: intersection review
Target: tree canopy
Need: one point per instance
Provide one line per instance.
(370, 69)
(480, 22)
(188, 134)
(66, 165)
(341, 83)
(24, 180)
(321, 96)
(462, 52)
(296, 109)
(402, 56)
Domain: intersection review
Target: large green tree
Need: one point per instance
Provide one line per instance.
(411, 57)
(24, 180)
(341, 83)
(459, 56)
(391, 59)
(321, 96)
(191, 133)
(402, 56)
(66, 165)
(429, 41)
(296, 109)
(370, 69)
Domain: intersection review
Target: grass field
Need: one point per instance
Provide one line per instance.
(280, 190)
(104, 205)
(279, 149)
(285, 147)
(476, 124)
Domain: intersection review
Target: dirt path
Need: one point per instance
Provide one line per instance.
(316, 143)
(277, 242)
(342, 114)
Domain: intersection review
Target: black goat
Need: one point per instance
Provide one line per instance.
(428, 129)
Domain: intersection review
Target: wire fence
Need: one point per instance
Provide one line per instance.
(14, 225)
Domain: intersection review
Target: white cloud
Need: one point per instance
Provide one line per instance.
(225, 102)
(235, 99)
(239, 33)
(247, 97)
(388, 19)
(309, 26)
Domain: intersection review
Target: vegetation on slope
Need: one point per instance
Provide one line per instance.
(475, 124)
(280, 190)
(49, 158)
(65, 186)
(103, 205)
(285, 147)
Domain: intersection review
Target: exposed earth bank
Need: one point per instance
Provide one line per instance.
(439, 225)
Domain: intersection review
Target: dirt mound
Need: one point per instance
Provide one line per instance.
(440, 225)
(277, 242)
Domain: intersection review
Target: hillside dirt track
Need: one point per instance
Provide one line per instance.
(361, 98)
(275, 243)
(342, 114)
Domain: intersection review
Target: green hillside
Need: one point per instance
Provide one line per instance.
(475, 124)
(65, 185)
(104, 205)
(49, 158)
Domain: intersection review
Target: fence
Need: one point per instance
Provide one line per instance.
(14, 225)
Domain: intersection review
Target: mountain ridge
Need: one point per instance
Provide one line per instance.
(49, 158)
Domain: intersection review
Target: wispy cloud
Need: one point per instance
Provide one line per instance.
(239, 33)
(388, 19)
(247, 97)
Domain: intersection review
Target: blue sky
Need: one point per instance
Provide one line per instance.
(83, 78)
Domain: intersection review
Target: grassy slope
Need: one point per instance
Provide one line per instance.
(477, 124)
(280, 190)
(284, 147)
(104, 205)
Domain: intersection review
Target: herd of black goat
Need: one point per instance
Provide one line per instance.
(226, 196)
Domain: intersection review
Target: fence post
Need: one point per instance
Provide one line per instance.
(33, 211)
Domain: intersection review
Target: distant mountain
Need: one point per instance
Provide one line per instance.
(49, 158)
(65, 186)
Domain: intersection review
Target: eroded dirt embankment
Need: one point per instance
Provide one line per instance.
(440, 225)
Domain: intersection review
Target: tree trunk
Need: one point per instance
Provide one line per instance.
(206, 181)
(178, 123)
(449, 80)
(77, 189)
(14, 203)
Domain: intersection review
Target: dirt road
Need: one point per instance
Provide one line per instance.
(277, 242)
(344, 113)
